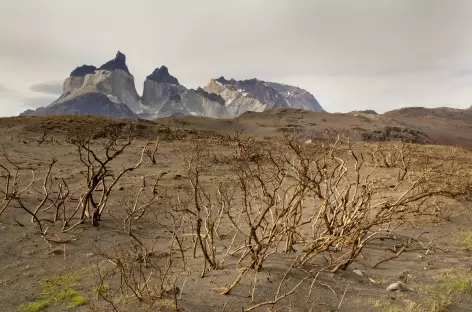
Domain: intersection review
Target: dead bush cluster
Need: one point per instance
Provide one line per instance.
(328, 199)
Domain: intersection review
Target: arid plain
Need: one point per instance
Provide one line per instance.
(277, 211)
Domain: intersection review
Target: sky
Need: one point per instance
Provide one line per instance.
(351, 55)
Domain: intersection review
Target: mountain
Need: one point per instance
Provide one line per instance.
(161, 92)
(109, 91)
(164, 96)
(94, 104)
(257, 96)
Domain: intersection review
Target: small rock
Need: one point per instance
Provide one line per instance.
(359, 272)
(372, 281)
(308, 141)
(397, 286)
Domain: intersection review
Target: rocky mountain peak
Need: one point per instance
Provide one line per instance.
(221, 80)
(250, 82)
(225, 82)
(162, 75)
(241, 85)
(83, 70)
(256, 89)
(211, 96)
(267, 95)
(119, 62)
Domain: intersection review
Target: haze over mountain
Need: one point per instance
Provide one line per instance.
(110, 91)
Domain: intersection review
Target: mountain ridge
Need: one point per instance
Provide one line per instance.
(164, 96)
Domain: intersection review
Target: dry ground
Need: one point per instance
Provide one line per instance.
(437, 267)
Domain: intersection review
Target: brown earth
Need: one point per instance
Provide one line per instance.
(437, 267)
(443, 126)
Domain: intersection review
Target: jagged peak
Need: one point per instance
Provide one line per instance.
(224, 81)
(240, 85)
(211, 96)
(252, 80)
(221, 80)
(119, 62)
(83, 70)
(162, 75)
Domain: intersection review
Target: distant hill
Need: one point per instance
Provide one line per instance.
(443, 126)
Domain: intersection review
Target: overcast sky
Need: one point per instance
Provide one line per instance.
(352, 55)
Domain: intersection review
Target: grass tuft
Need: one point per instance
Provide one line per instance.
(102, 290)
(465, 238)
(59, 290)
(453, 282)
(33, 306)
(386, 306)
(77, 301)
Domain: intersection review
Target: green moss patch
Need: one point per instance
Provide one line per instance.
(58, 291)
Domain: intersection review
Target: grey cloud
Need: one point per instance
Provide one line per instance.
(7, 91)
(464, 72)
(23, 99)
(50, 87)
